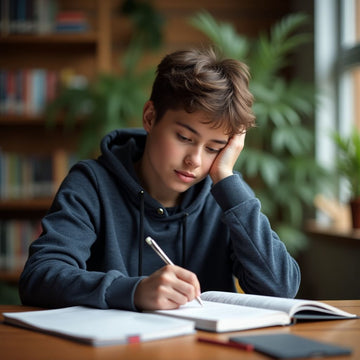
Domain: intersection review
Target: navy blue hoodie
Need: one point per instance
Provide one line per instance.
(92, 250)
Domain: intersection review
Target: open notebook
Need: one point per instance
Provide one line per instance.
(223, 311)
(101, 327)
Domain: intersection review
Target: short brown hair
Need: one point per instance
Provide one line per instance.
(200, 79)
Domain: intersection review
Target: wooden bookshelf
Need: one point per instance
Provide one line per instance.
(20, 205)
(86, 53)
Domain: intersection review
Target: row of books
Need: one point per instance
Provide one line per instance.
(27, 91)
(15, 238)
(26, 176)
(31, 176)
(39, 17)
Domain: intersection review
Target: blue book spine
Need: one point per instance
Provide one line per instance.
(38, 90)
(2, 91)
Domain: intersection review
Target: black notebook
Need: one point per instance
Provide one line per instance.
(288, 346)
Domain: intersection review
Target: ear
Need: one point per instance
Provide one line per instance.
(149, 116)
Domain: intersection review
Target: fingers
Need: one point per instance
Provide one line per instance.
(167, 288)
(224, 163)
(239, 140)
(189, 284)
(235, 145)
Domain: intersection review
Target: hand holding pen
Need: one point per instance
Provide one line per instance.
(164, 257)
(167, 288)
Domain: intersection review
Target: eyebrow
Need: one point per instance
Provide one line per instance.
(222, 142)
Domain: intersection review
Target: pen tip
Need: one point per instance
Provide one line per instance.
(149, 240)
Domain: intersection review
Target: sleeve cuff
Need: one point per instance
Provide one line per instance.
(231, 191)
(120, 294)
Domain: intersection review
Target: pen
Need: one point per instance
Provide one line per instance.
(242, 346)
(150, 241)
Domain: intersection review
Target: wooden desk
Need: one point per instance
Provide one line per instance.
(21, 344)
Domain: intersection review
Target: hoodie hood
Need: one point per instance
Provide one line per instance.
(120, 149)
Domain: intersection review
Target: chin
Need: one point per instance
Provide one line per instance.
(186, 187)
(180, 188)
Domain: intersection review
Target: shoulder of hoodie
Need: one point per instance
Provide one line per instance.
(90, 168)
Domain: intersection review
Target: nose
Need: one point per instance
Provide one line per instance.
(193, 157)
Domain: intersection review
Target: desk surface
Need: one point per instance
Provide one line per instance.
(21, 344)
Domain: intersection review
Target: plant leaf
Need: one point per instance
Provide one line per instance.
(223, 35)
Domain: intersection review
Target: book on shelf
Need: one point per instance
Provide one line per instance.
(25, 176)
(71, 21)
(27, 16)
(27, 91)
(225, 311)
(99, 327)
(31, 176)
(15, 238)
(39, 17)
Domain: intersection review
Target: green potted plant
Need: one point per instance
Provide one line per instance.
(348, 166)
(278, 159)
(109, 102)
(113, 100)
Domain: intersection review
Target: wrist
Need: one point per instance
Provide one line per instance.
(220, 176)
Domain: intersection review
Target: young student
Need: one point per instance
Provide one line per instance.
(173, 181)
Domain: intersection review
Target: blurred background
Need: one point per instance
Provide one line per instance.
(73, 70)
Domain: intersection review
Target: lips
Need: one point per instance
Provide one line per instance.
(185, 176)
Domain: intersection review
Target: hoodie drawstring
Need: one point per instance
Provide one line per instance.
(183, 258)
(141, 235)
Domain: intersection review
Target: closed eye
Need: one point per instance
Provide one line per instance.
(212, 150)
(183, 138)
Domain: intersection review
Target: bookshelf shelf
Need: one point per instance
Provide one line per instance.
(10, 276)
(23, 130)
(20, 205)
(50, 39)
(9, 120)
(34, 120)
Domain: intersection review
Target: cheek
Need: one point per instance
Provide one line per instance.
(207, 163)
(166, 149)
